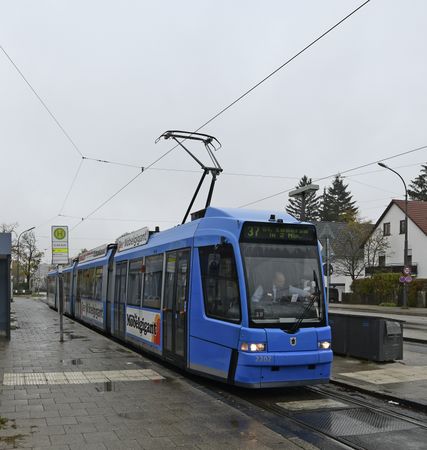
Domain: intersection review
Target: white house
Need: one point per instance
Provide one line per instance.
(392, 224)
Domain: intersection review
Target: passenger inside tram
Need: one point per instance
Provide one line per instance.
(278, 291)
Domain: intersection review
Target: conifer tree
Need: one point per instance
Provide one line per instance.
(418, 187)
(311, 204)
(338, 205)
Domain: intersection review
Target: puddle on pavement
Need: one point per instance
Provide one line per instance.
(76, 336)
(108, 386)
(136, 415)
(70, 334)
(73, 362)
(141, 364)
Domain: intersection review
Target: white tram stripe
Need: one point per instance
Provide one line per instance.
(39, 378)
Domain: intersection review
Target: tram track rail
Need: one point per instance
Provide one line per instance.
(361, 409)
(369, 405)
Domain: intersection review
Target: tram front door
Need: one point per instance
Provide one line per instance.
(175, 306)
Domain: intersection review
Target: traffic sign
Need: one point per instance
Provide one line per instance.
(407, 270)
(59, 244)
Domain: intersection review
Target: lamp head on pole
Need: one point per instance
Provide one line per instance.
(381, 164)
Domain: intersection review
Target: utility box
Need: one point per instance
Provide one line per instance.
(5, 282)
(372, 338)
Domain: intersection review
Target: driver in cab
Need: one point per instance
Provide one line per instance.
(277, 291)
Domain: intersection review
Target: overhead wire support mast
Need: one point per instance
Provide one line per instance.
(214, 170)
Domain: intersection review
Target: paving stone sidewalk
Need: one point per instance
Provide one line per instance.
(92, 393)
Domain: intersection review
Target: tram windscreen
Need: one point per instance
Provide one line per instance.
(283, 283)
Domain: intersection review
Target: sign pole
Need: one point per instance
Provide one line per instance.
(328, 271)
(59, 257)
(61, 304)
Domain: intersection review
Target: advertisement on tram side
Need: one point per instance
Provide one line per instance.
(144, 325)
(92, 310)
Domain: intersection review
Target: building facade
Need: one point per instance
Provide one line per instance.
(392, 225)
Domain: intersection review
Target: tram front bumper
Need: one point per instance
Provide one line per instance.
(283, 368)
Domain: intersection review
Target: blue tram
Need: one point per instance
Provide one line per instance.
(235, 295)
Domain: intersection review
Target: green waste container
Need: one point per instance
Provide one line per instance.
(373, 338)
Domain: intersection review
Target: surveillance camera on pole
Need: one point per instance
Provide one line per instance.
(303, 192)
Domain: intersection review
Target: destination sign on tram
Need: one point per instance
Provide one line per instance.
(276, 232)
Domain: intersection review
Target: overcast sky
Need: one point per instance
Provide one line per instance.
(116, 74)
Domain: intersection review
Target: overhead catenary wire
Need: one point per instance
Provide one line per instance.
(71, 186)
(51, 114)
(268, 197)
(382, 170)
(226, 108)
(172, 169)
(372, 186)
(119, 219)
(106, 201)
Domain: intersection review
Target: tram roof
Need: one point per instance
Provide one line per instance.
(254, 215)
(182, 233)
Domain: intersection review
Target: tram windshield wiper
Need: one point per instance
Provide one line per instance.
(315, 297)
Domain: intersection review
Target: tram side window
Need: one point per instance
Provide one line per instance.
(120, 289)
(97, 283)
(66, 286)
(219, 279)
(153, 281)
(135, 282)
(51, 286)
(85, 283)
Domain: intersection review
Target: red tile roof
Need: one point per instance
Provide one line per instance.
(417, 212)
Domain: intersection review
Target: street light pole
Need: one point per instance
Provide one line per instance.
(17, 262)
(303, 192)
(405, 250)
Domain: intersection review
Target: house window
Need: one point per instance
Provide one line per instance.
(386, 229)
(402, 227)
(381, 260)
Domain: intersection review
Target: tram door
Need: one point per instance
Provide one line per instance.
(73, 292)
(120, 300)
(175, 305)
(110, 291)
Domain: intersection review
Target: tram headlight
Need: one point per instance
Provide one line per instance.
(252, 347)
(324, 345)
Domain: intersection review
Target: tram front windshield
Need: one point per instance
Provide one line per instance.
(283, 283)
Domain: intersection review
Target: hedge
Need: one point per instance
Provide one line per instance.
(384, 288)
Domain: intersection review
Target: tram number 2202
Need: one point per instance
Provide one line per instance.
(262, 358)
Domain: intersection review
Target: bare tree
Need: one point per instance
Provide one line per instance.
(30, 256)
(377, 244)
(349, 257)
